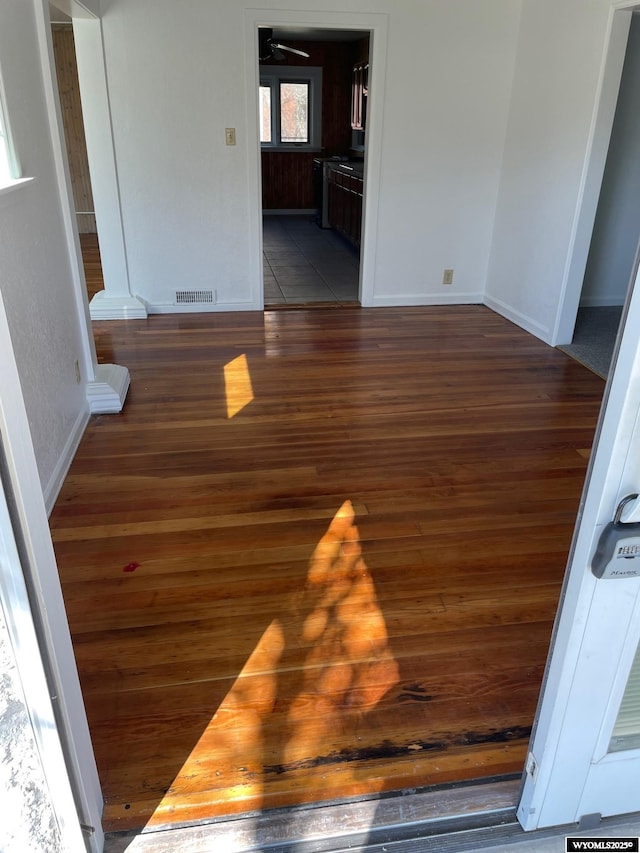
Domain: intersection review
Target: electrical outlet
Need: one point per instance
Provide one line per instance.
(447, 277)
(230, 135)
(77, 367)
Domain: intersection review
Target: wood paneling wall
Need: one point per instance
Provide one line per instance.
(68, 86)
(287, 177)
(287, 180)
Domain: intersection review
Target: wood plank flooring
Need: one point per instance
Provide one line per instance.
(91, 263)
(336, 574)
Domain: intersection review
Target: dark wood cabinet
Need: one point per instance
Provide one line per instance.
(346, 191)
(359, 95)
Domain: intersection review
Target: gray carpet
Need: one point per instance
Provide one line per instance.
(594, 338)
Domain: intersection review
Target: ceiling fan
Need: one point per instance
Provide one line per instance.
(270, 49)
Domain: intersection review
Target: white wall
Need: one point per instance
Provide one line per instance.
(36, 277)
(176, 76)
(449, 77)
(560, 58)
(617, 227)
(488, 131)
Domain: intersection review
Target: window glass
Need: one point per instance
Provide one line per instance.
(294, 112)
(626, 733)
(265, 113)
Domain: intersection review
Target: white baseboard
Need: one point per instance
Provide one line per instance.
(408, 300)
(52, 488)
(106, 394)
(522, 320)
(201, 308)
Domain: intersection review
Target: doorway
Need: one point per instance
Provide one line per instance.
(616, 228)
(75, 141)
(312, 189)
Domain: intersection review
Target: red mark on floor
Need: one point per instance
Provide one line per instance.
(131, 567)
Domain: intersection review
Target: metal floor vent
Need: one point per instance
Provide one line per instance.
(188, 297)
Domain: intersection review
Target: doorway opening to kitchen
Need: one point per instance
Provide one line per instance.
(314, 86)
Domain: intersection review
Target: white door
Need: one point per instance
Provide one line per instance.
(571, 770)
(37, 625)
(33, 768)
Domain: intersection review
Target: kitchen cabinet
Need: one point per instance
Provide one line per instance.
(345, 195)
(359, 95)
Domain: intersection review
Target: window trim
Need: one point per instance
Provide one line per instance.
(271, 76)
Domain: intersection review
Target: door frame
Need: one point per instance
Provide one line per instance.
(376, 25)
(37, 623)
(606, 462)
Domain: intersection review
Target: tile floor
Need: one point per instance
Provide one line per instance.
(307, 264)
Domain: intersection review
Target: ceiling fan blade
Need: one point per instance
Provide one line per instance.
(289, 49)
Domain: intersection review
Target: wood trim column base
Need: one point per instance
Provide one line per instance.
(105, 307)
(106, 394)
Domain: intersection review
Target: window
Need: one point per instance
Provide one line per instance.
(9, 170)
(290, 104)
(626, 733)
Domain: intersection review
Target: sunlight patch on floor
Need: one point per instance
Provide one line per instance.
(238, 387)
(321, 665)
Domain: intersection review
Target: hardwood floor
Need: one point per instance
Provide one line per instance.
(92, 263)
(319, 553)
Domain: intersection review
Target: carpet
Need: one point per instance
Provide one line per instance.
(594, 338)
